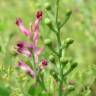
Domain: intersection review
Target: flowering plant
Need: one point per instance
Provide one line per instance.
(30, 49)
(62, 65)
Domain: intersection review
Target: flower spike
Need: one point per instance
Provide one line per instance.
(26, 49)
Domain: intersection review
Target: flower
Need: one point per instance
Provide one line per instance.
(30, 48)
(23, 47)
(26, 68)
(19, 23)
(43, 64)
(35, 28)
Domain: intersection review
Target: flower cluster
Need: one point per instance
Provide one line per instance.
(29, 49)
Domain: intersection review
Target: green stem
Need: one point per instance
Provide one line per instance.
(65, 21)
(53, 29)
(60, 82)
(60, 88)
(67, 72)
(57, 8)
(59, 42)
(42, 84)
(61, 69)
(53, 51)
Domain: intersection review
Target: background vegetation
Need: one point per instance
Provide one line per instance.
(81, 27)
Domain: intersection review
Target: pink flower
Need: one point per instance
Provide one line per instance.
(44, 62)
(26, 68)
(19, 23)
(35, 29)
(37, 51)
(23, 48)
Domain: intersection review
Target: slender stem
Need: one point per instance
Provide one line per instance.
(60, 82)
(58, 38)
(59, 45)
(68, 71)
(57, 7)
(58, 29)
(60, 88)
(53, 51)
(65, 21)
(61, 70)
(59, 42)
(53, 29)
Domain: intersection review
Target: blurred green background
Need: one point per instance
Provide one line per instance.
(81, 27)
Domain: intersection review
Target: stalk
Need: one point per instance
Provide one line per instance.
(60, 82)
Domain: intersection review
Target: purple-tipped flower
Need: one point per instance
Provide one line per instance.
(39, 14)
(44, 62)
(19, 23)
(26, 68)
(22, 47)
(35, 27)
(21, 44)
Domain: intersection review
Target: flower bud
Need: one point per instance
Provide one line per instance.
(47, 6)
(48, 22)
(69, 41)
(52, 59)
(39, 14)
(68, 12)
(74, 64)
(48, 42)
(63, 60)
(54, 74)
(44, 62)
